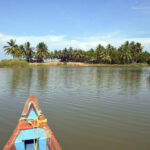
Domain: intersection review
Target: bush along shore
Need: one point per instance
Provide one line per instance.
(14, 63)
(127, 53)
(23, 63)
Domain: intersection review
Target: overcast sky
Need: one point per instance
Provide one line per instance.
(77, 23)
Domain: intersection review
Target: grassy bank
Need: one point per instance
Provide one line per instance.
(23, 63)
(13, 63)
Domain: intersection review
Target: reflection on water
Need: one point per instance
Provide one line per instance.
(42, 76)
(129, 79)
(148, 80)
(87, 107)
(21, 77)
(16, 75)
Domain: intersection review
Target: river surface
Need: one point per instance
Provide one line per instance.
(88, 108)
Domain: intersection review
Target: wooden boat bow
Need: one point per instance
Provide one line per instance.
(32, 120)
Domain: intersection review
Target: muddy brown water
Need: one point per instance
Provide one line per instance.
(88, 108)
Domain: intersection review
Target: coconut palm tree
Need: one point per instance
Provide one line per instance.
(99, 52)
(105, 56)
(42, 52)
(64, 56)
(70, 53)
(90, 56)
(27, 51)
(139, 49)
(12, 49)
(125, 53)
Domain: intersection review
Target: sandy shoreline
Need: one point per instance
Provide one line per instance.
(83, 64)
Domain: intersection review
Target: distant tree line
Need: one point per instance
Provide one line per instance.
(128, 52)
(27, 52)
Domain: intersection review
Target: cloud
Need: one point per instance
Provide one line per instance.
(32, 39)
(100, 37)
(60, 42)
(86, 45)
(54, 42)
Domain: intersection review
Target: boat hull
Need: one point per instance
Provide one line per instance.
(32, 130)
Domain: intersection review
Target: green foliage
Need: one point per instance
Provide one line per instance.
(143, 57)
(148, 60)
(127, 53)
(100, 54)
(130, 52)
(12, 49)
(27, 51)
(41, 52)
(13, 63)
(115, 57)
(65, 63)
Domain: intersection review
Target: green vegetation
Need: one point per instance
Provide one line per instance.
(148, 60)
(12, 49)
(127, 53)
(26, 51)
(65, 63)
(13, 63)
(42, 52)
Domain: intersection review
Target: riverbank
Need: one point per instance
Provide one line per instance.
(23, 63)
(85, 64)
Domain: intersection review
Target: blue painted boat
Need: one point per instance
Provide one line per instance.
(32, 131)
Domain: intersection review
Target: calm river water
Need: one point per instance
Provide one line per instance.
(88, 108)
